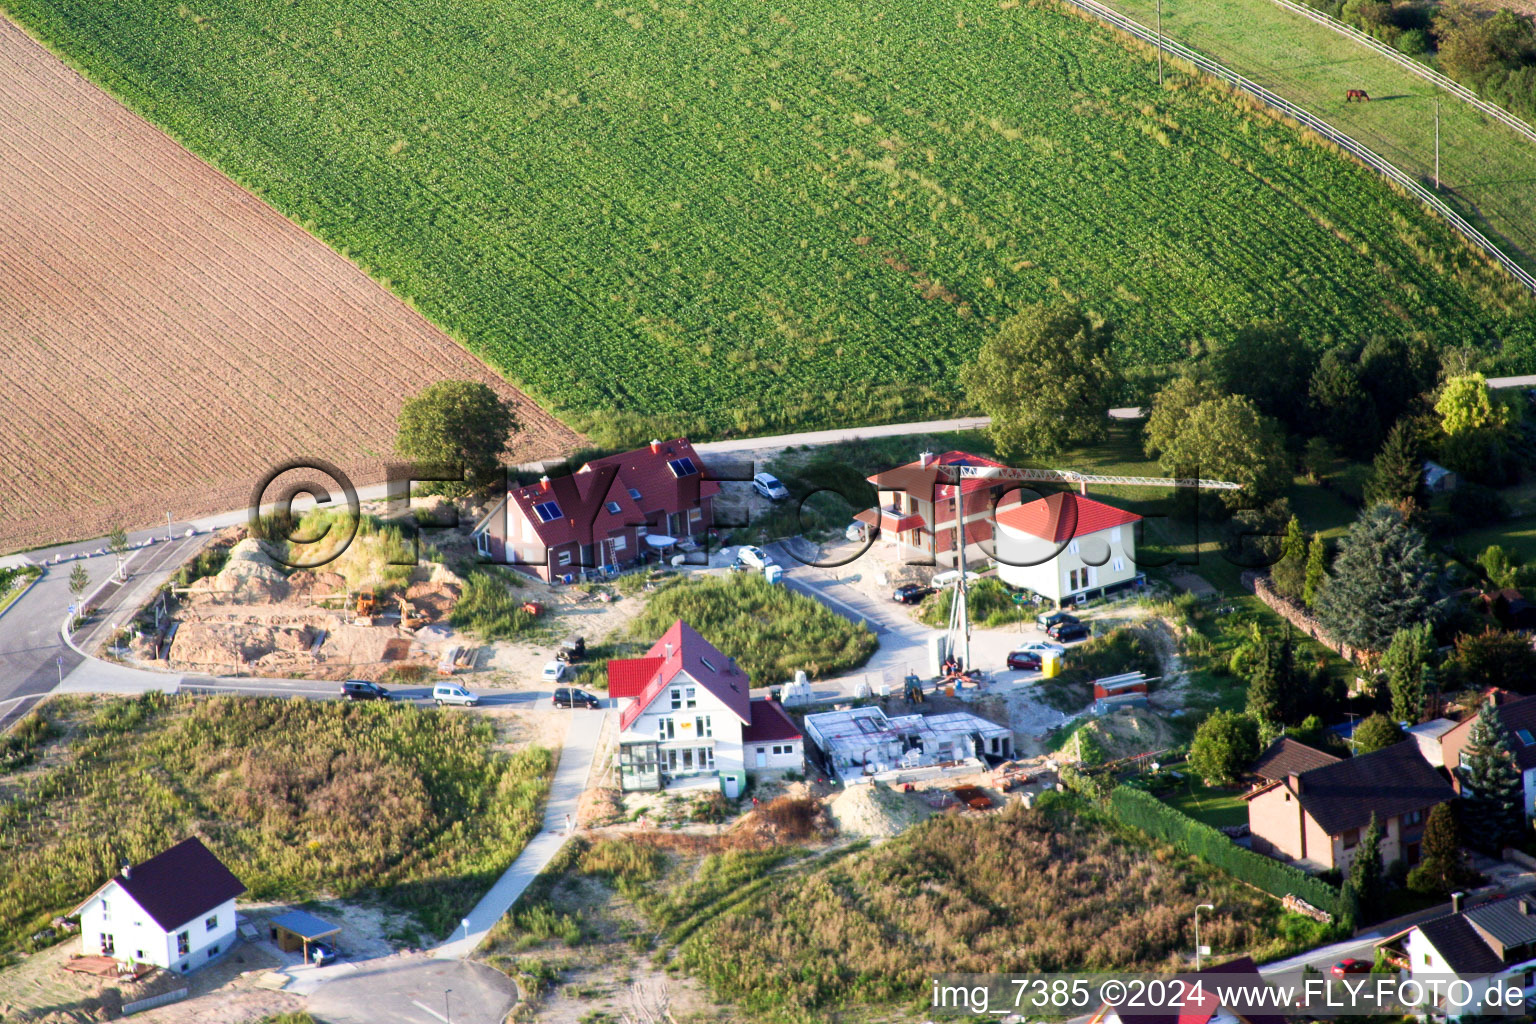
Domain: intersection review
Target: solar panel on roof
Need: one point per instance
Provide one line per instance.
(682, 467)
(1525, 736)
(547, 511)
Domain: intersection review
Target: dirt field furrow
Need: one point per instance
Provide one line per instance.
(167, 338)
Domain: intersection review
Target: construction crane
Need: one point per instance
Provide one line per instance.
(959, 632)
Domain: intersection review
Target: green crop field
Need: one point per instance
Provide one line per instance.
(729, 216)
(1485, 167)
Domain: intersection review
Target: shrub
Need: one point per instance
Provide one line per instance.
(490, 610)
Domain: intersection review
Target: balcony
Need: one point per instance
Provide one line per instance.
(890, 520)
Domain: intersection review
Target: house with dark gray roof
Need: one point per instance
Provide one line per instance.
(175, 910)
(1314, 816)
(1286, 757)
(1494, 942)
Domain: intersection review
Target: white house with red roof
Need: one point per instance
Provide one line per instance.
(1065, 545)
(916, 514)
(606, 514)
(686, 712)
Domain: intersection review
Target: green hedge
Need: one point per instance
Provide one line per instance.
(1151, 815)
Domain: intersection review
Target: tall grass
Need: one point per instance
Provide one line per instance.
(299, 798)
(490, 609)
(770, 630)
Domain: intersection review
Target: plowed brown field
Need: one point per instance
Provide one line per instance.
(166, 338)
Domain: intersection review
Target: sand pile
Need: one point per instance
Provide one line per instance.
(875, 810)
(307, 583)
(250, 575)
(433, 600)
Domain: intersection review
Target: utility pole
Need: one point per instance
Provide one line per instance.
(1199, 949)
(1437, 140)
(1159, 44)
(167, 524)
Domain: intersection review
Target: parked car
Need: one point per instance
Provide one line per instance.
(857, 532)
(944, 579)
(756, 558)
(1024, 661)
(769, 487)
(321, 953)
(1067, 631)
(1345, 968)
(570, 697)
(1045, 620)
(910, 593)
(361, 689)
(1042, 647)
(555, 671)
(453, 693)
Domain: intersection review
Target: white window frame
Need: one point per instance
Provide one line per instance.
(212, 923)
(1072, 546)
(483, 542)
(666, 728)
(677, 698)
(703, 726)
(620, 543)
(563, 558)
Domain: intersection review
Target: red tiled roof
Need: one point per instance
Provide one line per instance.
(769, 723)
(875, 517)
(920, 480)
(1064, 515)
(682, 649)
(584, 496)
(627, 677)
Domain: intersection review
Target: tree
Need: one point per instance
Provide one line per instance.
(1317, 459)
(1441, 868)
(1403, 664)
(1396, 369)
(1224, 746)
(1397, 475)
(1494, 658)
(1227, 439)
(1171, 409)
(1280, 691)
(1367, 873)
(117, 543)
(79, 579)
(1046, 378)
(1381, 581)
(456, 421)
(1465, 405)
(1501, 567)
(1490, 784)
(1289, 574)
(1317, 571)
(1345, 411)
(1269, 364)
(1377, 732)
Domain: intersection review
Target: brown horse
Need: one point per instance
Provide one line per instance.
(1357, 94)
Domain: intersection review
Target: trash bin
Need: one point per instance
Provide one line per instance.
(773, 573)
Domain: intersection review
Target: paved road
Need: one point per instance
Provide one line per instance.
(424, 991)
(812, 437)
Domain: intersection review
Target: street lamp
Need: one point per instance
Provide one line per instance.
(447, 1018)
(1199, 949)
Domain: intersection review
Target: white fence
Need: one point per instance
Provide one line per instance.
(1419, 68)
(1311, 121)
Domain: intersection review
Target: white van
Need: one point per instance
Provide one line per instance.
(453, 693)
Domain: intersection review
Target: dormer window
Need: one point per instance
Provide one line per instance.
(634, 494)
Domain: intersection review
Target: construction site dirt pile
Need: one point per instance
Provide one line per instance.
(875, 811)
(250, 576)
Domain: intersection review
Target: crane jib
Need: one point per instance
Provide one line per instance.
(955, 473)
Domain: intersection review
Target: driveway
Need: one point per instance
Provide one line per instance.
(417, 991)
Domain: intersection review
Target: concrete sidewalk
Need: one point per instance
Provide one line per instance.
(564, 792)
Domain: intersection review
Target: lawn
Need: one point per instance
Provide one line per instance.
(1485, 167)
(420, 808)
(733, 218)
(1517, 536)
(1215, 806)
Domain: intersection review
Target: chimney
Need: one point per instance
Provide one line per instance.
(1495, 697)
(125, 869)
(655, 446)
(544, 483)
(925, 460)
(1456, 898)
(669, 649)
(1525, 906)
(1295, 782)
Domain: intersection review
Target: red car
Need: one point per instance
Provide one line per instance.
(1021, 661)
(1351, 966)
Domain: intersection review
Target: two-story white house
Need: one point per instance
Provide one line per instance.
(175, 910)
(687, 713)
(1065, 545)
(1492, 942)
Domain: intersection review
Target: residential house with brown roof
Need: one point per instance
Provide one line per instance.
(1519, 717)
(1066, 546)
(1314, 817)
(687, 714)
(1286, 757)
(916, 510)
(1249, 1000)
(606, 515)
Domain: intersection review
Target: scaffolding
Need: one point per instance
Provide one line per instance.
(864, 741)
